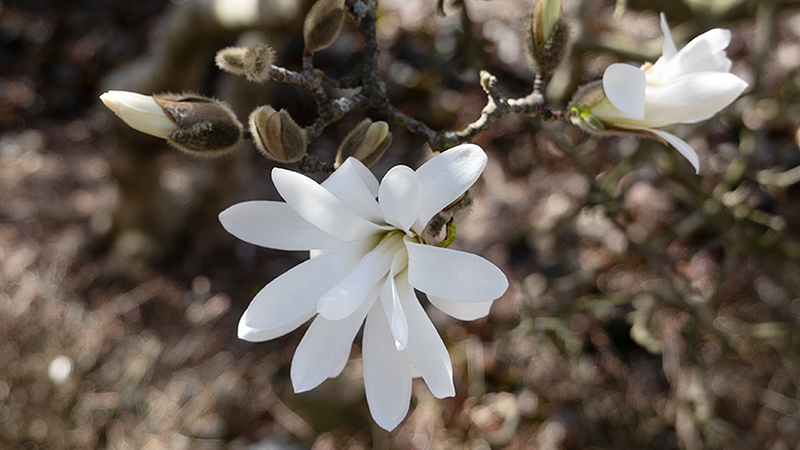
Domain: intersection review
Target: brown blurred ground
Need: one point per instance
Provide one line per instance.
(649, 307)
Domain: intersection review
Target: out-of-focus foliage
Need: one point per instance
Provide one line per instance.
(649, 307)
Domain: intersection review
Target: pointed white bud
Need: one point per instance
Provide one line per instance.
(140, 112)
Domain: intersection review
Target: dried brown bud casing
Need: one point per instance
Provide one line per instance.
(367, 142)
(322, 24)
(253, 62)
(206, 127)
(276, 135)
(545, 54)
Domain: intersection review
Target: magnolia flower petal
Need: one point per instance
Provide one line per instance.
(668, 49)
(705, 53)
(453, 275)
(390, 299)
(624, 86)
(681, 146)
(425, 347)
(324, 346)
(356, 187)
(342, 299)
(445, 177)
(689, 97)
(461, 310)
(317, 205)
(274, 225)
(400, 197)
(387, 372)
(140, 112)
(296, 292)
(250, 334)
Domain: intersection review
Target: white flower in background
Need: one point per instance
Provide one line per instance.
(683, 86)
(367, 257)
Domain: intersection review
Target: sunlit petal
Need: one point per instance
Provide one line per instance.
(356, 187)
(445, 177)
(624, 86)
(317, 205)
(461, 310)
(297, 291)
(274, 225)
(324, 346)
(400, 196)
(453, 274)
(425, 348)
(342, 299)
(387, 372)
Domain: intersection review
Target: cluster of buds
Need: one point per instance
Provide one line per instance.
(197, 125)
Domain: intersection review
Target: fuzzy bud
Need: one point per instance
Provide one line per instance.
(194, 124)
(546, 36)
(206, 127)
(366, 142)
(253, 62)
(277, 135)
(323, 23)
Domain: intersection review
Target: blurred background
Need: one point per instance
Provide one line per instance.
(649, 307)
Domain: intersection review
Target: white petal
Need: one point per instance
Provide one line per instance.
(445, 177)
(274, 225)
(703, 54)
(681, 146)
(624, 86)
(140, 112)
(390, 299)
(425, 348)
(345, 297)
(461, 310)
(453, 275)
(356, 187)
(387, 372)
(400, 197)
(317, 205)
(250, 334)
(296, 292)
(668, 49)
(324, 346)
(690, 97)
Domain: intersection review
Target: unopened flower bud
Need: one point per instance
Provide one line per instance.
(194, 124)
(546, 36)
(366, 142)
(140, 112)
(253, 62)
(323, 23)
(206, 127)
(277, 135)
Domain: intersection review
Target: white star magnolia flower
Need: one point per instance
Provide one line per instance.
(683, 86)
(367, 257)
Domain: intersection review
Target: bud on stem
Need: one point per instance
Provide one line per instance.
(253, 62)
(546, 36)
(197, 125)
(276, 135)
(366, 142)
(322, 24)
